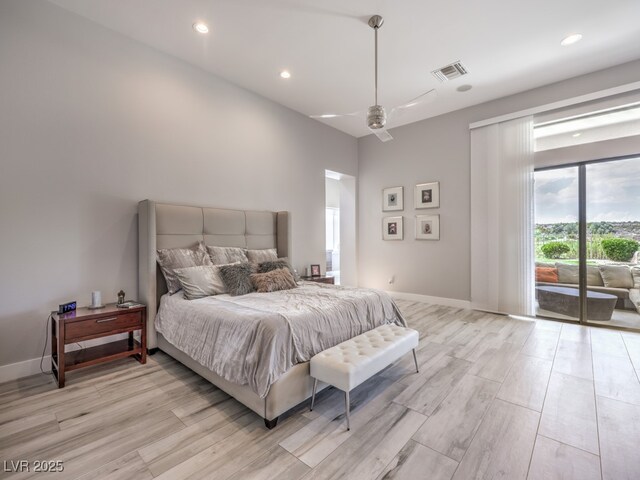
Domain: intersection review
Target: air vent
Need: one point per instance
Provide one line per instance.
(450, 72)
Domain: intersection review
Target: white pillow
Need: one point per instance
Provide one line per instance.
(259, 256)
(201, 281)
(171, 259)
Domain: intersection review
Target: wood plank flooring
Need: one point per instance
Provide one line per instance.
(496, 397)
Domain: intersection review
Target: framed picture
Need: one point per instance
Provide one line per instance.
(315, 271)
(427, 195)
(427, 227)
(392, 199)
(392, 228)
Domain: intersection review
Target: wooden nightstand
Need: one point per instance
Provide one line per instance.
(320, 279)
(85, 324)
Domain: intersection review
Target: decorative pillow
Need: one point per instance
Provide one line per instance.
(264, 267)
(227, 255)
(201, 281)
(547, 274)
(635, 273)
(237, 278)
(280, 279)
(616, 276)
(171, 259)
(568, 273)
(257, 256)
(543, 264)
(593, 276)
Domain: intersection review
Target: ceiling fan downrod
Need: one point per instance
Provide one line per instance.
(376, 115)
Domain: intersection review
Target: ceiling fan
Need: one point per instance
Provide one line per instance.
(376, 115)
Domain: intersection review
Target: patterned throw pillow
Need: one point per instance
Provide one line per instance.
(171, 259)
(237, 278)
(257, 256)
(201, 281)
(280, 279)
(226, 255)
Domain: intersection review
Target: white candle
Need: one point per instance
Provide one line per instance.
(96, 299)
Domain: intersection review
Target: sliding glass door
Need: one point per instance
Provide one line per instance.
(587, 232)
(612, 211)
(556, 243)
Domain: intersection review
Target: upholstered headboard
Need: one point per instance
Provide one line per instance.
(161, 225)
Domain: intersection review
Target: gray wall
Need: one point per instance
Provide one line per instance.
(92, 122)
(438, 149)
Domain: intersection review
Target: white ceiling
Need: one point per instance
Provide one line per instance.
(508, 46)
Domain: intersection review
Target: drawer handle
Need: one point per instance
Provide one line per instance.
(102, 320)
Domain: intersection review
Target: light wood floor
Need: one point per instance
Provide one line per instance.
(495, 398)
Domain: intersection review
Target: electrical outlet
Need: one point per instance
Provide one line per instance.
(392, 279)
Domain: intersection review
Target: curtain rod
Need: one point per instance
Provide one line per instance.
(629, 87)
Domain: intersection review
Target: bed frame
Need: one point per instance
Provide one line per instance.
(162, 225)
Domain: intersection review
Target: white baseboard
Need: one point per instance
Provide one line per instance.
(415, 297)
(13, 371)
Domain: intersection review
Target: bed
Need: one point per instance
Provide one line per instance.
(255, 347)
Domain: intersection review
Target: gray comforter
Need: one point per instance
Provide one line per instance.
(253, 339)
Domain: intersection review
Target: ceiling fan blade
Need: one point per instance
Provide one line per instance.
(425, 97)
(382, 134)
(329, 116)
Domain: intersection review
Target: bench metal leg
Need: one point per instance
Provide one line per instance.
(346, 403)
(313, 395)
(415, 359)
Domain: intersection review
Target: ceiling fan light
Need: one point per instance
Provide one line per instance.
(376, 117)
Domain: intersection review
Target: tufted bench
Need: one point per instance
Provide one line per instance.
(350, 363)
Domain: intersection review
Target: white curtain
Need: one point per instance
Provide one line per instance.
(502, 252)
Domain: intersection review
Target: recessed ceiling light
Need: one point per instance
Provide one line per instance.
(328, 115)
(201, 27)
(576, 135)
(571, 39)
(464, 88)
(285, 74)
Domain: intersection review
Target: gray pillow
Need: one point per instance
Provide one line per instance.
(257, 256)
(201, 281)
(268, 266)
(593, 276)
(171, 259)
(635, 273)
(237, 278)
(616, 276)
(226, 255)
(567, 273)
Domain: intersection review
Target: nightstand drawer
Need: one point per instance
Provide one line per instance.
(116, 323)
(322, 279)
